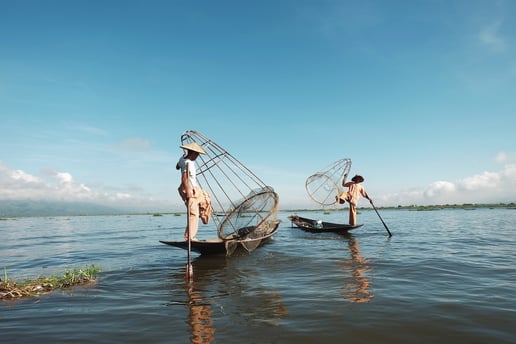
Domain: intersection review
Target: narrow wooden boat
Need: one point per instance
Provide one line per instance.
(317, 226)
(220, 246)
(210, 246)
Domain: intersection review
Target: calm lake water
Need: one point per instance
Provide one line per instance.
(446, 276)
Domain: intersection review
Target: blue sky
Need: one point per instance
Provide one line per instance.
(420, 95)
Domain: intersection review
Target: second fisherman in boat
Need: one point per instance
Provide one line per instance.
(355, 190)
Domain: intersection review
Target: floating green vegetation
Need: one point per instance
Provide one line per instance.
(426, 208)
(9, 289)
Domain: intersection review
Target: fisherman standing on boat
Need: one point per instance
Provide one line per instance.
(353, 195)
(189, 189)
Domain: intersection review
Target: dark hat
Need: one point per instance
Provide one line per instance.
(357, 178)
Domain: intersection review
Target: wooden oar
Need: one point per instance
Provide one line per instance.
(388, 231)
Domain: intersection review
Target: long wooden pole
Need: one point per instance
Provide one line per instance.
(388, 231)
(189, 268)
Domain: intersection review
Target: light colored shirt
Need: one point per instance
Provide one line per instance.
(188, 166)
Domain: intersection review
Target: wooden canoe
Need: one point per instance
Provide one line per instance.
(210, 246)
(315, 226)
(217, 245)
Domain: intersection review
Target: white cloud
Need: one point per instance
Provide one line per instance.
(61, 186)
(17, 184)
(486, 180)
(23, 177)
(487, 187)
(121, 195)
(439, 189)
(64, 178)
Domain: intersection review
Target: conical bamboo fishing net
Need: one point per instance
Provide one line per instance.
(325, 185)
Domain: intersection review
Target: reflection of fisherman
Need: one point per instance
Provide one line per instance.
(357, 290)
(199, 318)
(189, 189)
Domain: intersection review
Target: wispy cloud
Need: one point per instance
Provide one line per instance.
(491, 38)
(505, 158)
(338, 20)
(133, 144)
(91, 130)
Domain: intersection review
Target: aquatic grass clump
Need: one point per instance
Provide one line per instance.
(9, 289)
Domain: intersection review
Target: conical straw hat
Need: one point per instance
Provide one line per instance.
(194, 146)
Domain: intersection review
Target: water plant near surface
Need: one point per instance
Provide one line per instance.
(10, 289)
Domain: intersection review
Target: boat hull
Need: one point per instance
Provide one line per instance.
(210, 246)
(314, 226)
(217, 245)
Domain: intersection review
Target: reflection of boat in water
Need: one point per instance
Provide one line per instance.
(228, 245)
(317, 226)
(357, 290)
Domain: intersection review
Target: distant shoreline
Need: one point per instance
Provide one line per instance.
(465, 206)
